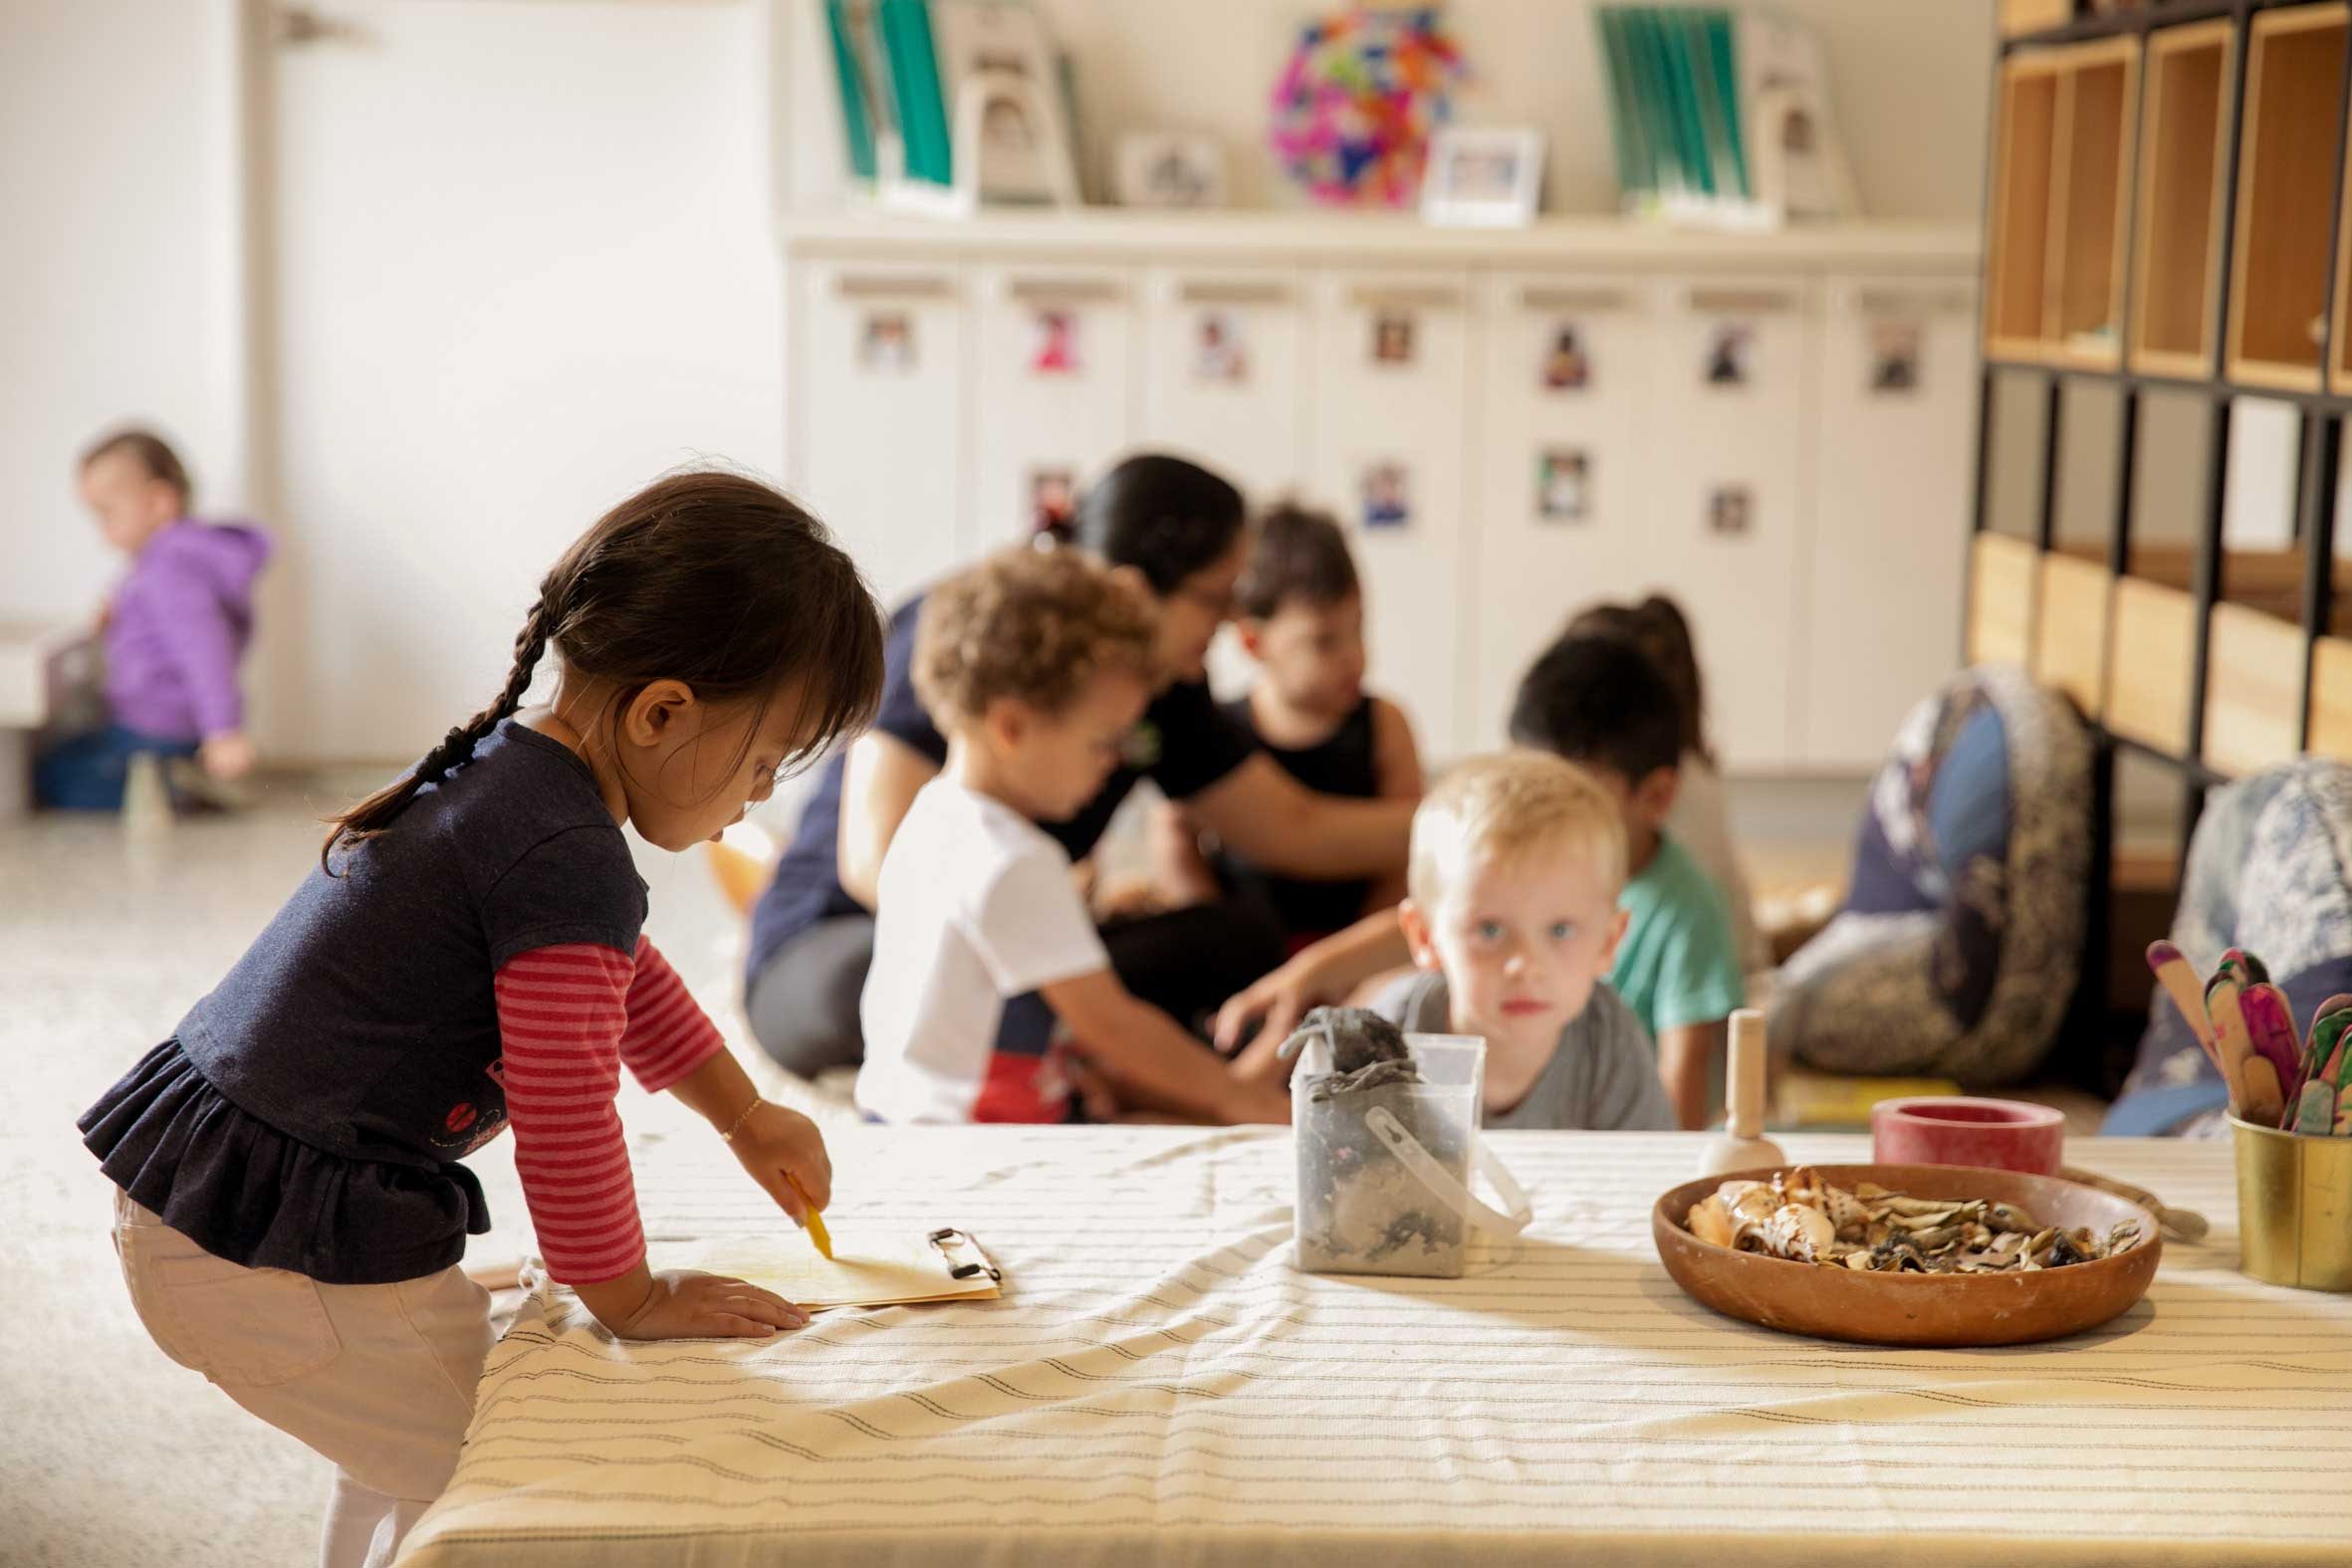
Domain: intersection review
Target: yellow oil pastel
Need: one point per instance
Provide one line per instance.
(816, 1230)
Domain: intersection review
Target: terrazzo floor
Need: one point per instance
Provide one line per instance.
(110, 1455)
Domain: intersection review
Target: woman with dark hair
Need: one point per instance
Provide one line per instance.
(1179, 530)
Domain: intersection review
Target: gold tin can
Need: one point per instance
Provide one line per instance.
(2294, 1208)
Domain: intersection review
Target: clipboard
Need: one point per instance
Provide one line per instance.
(871, 1266)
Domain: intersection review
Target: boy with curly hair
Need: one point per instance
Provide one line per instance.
(1035, 666)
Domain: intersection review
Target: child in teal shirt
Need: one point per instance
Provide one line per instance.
(1601, 704)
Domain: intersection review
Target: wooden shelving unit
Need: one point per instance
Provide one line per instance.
(2055, 274)
(2330, 733)
(2000, 599)
(2099, 89)
(2033, 16)
(2077, 613)
(2017, 247)
(2210, 240)
(2182, 127)
(2287, 182)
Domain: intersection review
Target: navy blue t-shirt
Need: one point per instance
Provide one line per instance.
(308, 1112)
(1183, 744)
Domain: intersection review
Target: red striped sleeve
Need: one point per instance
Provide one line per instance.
(562, 1015)
(668, 1035)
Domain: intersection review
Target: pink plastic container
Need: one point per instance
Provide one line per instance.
(2007, 1135)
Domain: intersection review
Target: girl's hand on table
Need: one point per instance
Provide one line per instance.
(780, 1147)
(681, 1303)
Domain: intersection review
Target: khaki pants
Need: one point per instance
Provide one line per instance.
(378, 1378)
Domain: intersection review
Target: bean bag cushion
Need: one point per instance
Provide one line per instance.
(2266, 872)
(1957, 950)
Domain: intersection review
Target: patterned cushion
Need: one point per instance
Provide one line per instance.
(1957, 951)
(2266, 873)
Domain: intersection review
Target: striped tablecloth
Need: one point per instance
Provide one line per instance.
(1159, 1385)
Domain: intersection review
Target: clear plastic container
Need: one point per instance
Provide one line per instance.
(1384, 1173)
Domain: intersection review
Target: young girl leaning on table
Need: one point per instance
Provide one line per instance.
(289, 1212)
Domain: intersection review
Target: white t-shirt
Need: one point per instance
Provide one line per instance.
(975, 905)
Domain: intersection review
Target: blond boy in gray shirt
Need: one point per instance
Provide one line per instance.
(1517, 863)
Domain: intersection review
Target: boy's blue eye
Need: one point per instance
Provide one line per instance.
(1490, 930)
(1562, 930)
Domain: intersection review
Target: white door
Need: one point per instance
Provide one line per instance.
(1897, 383)
(522, 267)
(1728, 390)
(1391, 358)
(875, 443)
(1053, 385)
(1563, 376)
(1222, 373)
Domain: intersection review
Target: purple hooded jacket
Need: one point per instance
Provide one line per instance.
(180, 623)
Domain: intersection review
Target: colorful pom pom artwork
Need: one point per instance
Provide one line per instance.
(1354, 106)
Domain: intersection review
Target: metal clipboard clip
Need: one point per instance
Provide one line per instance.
(951, 1242)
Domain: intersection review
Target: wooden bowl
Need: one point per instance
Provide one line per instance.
(1943, 1310)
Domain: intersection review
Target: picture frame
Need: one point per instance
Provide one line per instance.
(1385, 490)
(1168, 170)
(1002, 84)
(1482, 178)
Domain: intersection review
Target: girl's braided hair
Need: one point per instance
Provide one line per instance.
(711, 578)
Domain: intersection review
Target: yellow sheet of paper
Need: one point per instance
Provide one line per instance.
(865, 1270)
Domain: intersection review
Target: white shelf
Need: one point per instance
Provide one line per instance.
(1383, 238)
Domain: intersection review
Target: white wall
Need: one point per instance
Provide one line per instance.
(1910, 81)
(524, 264)
(516, 260)
(117, 301)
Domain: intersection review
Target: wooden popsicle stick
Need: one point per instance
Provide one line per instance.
(2315, 1116)
(2180, 984)
(2270, 1025)
(2266, 1102)
(2221, 1005)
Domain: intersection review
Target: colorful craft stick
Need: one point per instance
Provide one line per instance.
(2265, 1101)
(2270, 1025)
(2315, 1115)
(2228, 1021)
(2246, 969)
(2327, 1026)
(2180, 984)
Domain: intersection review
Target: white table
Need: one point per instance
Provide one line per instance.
(1159, 1385)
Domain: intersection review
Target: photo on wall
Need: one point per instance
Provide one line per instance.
(1218, 352)
(1392, 337)
(887, 343)
(1056, 350)
(1053, 499)
(1730, 348)
(1567, 365)
(1386, 498)
(1729, 510)
(1894, 355)
(1563, 478)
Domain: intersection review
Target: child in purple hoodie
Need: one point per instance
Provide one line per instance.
(174, 630)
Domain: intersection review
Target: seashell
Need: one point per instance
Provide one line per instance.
(1798, 1233)
(1709, 1220)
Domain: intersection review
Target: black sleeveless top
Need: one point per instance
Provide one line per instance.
(1341, 765)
